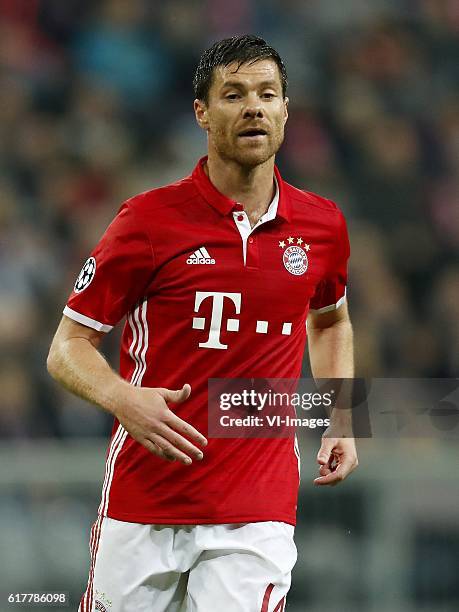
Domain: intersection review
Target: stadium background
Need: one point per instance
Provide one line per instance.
(96, 105)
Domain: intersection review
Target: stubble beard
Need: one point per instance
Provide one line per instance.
(247, 156)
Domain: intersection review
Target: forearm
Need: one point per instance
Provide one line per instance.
(79, 367)
(331, 351)
(331, 357)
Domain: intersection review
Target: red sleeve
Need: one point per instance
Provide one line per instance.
(331, 290)
(116, 275)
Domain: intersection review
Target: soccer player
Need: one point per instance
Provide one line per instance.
(216, 275)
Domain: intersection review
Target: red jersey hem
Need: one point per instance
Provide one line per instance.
(156, 520)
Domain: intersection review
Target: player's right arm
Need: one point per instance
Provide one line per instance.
(75, 361)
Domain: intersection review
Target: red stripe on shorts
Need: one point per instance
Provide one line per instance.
(264, 605)
(280, 605)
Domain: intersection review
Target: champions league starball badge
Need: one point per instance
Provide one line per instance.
(294, 257)
(86, 275)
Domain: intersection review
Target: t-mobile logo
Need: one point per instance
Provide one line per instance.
(213, 341)
(232, 325)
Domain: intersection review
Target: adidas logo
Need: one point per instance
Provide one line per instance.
(200, 256)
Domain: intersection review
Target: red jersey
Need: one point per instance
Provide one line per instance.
(207, 296)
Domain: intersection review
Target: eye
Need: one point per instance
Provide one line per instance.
(232, 96)
(268, 95)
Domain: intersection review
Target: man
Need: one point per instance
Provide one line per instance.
(216, 275)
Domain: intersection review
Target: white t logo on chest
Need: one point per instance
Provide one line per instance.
(232, 325)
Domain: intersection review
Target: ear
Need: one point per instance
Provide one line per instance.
(200, 112)
(286, 101)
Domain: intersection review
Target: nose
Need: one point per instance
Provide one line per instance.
(253, 108)
(253, 112)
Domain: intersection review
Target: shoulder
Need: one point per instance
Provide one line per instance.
(167, 196)
(308, 201)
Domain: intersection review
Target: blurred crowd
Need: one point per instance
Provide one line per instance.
(96, 105)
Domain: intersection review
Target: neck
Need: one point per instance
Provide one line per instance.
(253, 187)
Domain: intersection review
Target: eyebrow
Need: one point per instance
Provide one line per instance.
(270, 83)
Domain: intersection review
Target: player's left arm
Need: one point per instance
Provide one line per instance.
(331, 354)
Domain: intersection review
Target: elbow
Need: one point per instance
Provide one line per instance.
(52, 362)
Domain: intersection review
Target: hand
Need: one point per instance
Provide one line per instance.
(337, 458)
(144, 413)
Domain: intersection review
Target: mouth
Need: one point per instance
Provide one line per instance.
(252, 133)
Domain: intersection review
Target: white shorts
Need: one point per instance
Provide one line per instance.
(193, 568)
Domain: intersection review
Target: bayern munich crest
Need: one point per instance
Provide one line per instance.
(294, 256)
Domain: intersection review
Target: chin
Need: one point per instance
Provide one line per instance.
(253, 158)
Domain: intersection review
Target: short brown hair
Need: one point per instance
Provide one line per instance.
(241, 49)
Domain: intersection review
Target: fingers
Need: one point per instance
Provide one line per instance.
(176, 422)
(185, 428)
(176, 397)
(156, 450)
(337, 458)
(333, 477)
(180, 442)
(325, 451)
(324, 470)
(164, 435)
(163, 448)
(171, 445)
